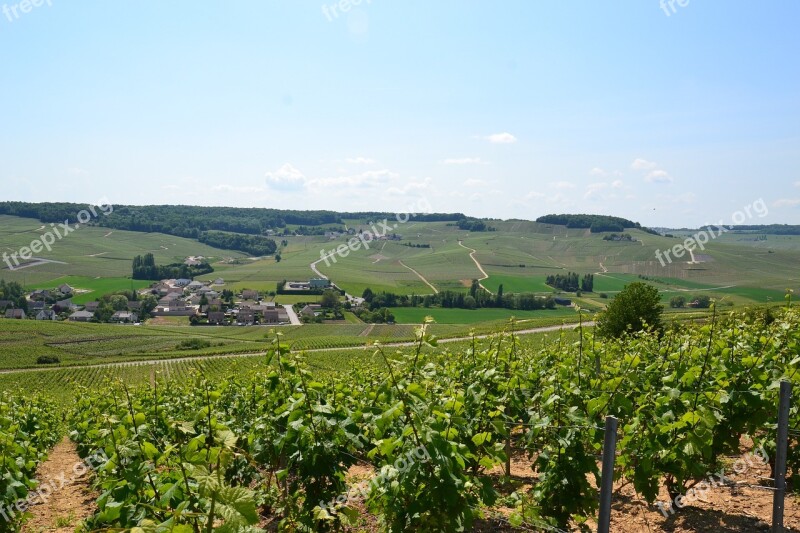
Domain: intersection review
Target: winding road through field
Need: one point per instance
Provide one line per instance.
(420, 276)
(472, 253)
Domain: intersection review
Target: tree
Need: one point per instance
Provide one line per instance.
(367, 295)
(118, 302)
(330, 299)
(677, 302)
(635, 308)
(277, 258)
(499, 300)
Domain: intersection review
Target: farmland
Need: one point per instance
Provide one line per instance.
(347, 378)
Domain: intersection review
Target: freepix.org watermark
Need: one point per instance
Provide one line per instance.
(333, 10)
(56, 232)
(15, 11)
(668, 6)
(712, 481)
(48, 487)
(360, 491)
(383, 229)
(712, 231)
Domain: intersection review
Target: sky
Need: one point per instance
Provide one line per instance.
(673, 114)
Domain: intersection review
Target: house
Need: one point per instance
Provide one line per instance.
(134, 306)
(124, 316)
(65, 289)
(270, 305)
(81, 316)
(311, 310)
(47, 314)
(216, 318)
(4, 304)
(66, 305)
(182, 282)
(319, 283)
(219, 281)
(32, 306)
(206, 290)
(271, 317)
(161, 288)
(215, 302)
(246, 316)
(91, 306)
(194, 286)
(248, 294)
(41, 294)
(16, 314)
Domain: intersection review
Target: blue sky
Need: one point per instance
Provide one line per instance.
(511, 109)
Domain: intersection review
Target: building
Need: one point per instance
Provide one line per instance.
(16, 314)
(246, 316)
(47, 314)
(319, 283)
(271, 316)
(91, 306)
(182, 282)
(65, 289)
(248, 294)
(81, 316)
(216, 318)
(195, 285)
(311, 310)
(124, 316)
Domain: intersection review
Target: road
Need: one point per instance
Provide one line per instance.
(420, 276)
(472, 253)
(293, 318)
(543, 329)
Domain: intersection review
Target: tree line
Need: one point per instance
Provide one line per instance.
(595, 223)
(145, 268)
(476, 298)
(571, 282)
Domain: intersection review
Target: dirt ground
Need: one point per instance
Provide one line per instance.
(70, 500)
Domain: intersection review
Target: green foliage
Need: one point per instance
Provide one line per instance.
(29, 427)
(634, 309)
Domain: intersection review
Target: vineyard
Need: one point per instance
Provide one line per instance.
(437, 435)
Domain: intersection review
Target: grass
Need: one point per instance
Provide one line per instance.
(416, 315)
(94, 287)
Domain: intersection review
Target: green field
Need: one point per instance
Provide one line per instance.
(519, 255)
(416, 315)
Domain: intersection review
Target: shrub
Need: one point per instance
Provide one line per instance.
(48, 360)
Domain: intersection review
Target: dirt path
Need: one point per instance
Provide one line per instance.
(70, 499)
(477, 264)
(420, 276)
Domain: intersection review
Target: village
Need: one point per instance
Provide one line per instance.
(201, 302)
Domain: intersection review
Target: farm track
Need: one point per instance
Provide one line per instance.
(477, 264)
(420, 276)
(166, 360)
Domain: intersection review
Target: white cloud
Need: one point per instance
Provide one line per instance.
(410, 186)
(534, 195)
(599, 172)
(643, 164)
(617, 184)
(501, 138)
(286, 177)
(474, 183)
(360, 160)
(658, 176)
(464, 161)
(797, 183)
(238, 189)
(593, 190)
(786, 202)
(562, 185)
(364, 179)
